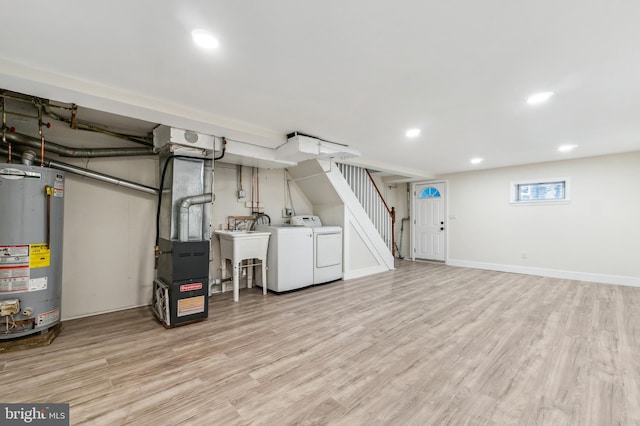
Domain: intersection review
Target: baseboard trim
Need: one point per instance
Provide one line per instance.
(108, 311)
(552, 273)
(365, 272)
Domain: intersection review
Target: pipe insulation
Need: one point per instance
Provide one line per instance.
(64, 151)
(31, 157)
(185, 204)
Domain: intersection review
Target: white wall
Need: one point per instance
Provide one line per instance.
(109, 235)
(396, 196)
(594, 236)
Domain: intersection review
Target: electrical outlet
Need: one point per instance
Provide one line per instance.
(241, 194)
(287, 212)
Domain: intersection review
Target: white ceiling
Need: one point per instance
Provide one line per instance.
(357, 72)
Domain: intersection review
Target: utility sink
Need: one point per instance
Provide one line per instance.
(239, 233)
(244, 244)
(240, 245)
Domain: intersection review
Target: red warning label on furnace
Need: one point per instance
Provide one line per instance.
(190, 287)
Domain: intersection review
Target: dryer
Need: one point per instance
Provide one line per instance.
(327, 248)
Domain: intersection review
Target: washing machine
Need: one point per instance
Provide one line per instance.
(289, 257)
(327, 248)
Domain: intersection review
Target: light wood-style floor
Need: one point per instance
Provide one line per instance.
(426, 344)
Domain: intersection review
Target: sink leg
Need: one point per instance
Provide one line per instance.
(223, 271)
(264, 276)
(236, 282)
(250, 275)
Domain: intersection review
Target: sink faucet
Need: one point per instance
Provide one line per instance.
(238, 226)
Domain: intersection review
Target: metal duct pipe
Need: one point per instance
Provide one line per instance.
(87, 173)
(28, 157)
(20, 139)
(102, 177)
(185, 204)
(208, 186)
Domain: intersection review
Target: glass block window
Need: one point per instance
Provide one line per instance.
(429, 192)
(540, 191)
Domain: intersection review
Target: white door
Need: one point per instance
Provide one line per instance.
(429, 223)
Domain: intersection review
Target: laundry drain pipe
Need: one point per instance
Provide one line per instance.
(185, 204)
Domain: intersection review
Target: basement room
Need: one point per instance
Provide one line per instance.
(327, 213)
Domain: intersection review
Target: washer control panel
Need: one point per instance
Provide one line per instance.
(311, 221)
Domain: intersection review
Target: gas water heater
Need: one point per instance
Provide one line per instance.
(31, 218)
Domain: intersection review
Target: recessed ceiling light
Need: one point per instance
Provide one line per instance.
(539, 98)
(567, 148)
(477, 160)
(412, 133)
(204, 39)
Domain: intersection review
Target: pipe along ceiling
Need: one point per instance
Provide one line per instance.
(29, 156)
(64, 151)
(11, 139)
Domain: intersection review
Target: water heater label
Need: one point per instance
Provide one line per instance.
(36, 284)
(14, 255)
(14, 268)
(48, 317)
(58, 189)
(9, 173)
(40, 256)
(14, 278)
(190, 306)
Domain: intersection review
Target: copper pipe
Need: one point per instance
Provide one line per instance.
(237, 219)
(48, 192)
(41, 147)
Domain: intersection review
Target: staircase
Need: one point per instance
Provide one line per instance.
(367, 192)
(366, 252)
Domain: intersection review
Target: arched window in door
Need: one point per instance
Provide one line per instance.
(429, 192)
